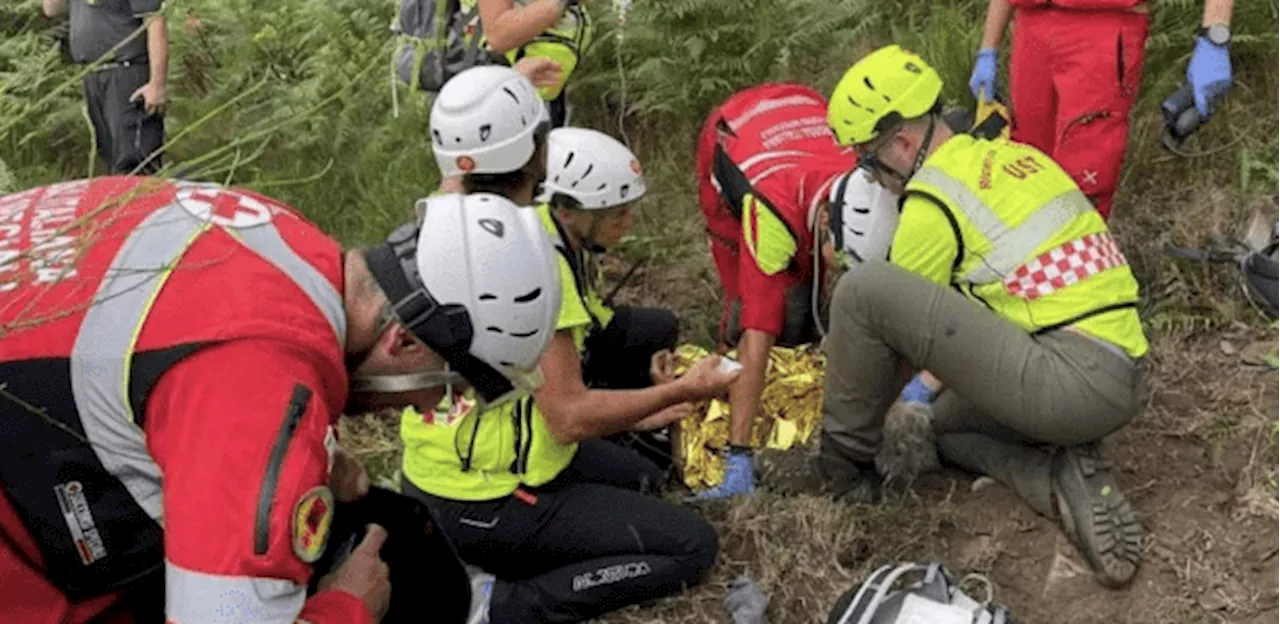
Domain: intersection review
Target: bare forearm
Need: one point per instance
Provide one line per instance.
(998, 12)
(507, 26)
(599, 413)
(744, 396)
(54, 8)
(1217, 12)
(158, 49)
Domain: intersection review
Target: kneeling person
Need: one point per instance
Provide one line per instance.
(1007, 286)
(593, 183)
(528, 491)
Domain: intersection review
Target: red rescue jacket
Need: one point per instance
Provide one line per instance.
(172, 354)
(772, 141)
(1082, 5)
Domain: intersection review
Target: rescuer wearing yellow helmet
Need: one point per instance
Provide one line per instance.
(1005, 284)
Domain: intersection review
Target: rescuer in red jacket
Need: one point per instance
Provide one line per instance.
(173, 357)
(1074, 73)
(766, 164)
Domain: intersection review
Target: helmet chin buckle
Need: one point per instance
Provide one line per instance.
(405, 382)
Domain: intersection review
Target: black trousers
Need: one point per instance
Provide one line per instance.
(124, 132)
(617, 357)
(559, 110)
(590, 542)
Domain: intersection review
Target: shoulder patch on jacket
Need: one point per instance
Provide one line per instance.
(312, 516)
(768, 239)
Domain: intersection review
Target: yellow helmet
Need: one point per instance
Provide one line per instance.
(884, 88)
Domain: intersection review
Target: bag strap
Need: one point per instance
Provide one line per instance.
(733, 183)
(873, 592)
(577, 268)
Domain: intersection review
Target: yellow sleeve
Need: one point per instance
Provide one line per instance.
(924, 242)
(572, 312)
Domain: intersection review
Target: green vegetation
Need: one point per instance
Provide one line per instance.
(293, 98)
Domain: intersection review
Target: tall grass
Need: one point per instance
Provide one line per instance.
(292, 97)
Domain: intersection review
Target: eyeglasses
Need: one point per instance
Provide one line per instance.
(868, 157)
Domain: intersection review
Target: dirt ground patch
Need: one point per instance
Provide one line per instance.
(1198, 467)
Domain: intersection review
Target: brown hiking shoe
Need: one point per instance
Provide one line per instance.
(800, 471)
(1096, 516)
(846, 483)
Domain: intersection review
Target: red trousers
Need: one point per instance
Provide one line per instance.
(1073, 76)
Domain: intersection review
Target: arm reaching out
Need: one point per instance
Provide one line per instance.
(507, 26)
(575, 412)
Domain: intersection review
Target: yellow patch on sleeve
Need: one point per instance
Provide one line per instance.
(767, 236)
(312, 517)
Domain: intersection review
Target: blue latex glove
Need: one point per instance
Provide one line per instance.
(916, 392)
(739, 479)
(985, 70)
(1209, 74)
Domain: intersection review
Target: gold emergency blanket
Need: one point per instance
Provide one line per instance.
(791, 407)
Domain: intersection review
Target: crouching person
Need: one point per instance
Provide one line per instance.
(593, 183)
(1006, 286)
(528, 491)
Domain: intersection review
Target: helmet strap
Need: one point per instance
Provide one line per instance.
(922, 152)
(407, 382)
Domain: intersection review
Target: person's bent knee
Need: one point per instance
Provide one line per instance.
(703, 545)
(666, 327)
(864, 283)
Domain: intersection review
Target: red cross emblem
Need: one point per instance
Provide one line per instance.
(222, 207)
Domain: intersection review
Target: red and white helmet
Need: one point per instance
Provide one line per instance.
(591, 167)
(477, 281)
(486, 120)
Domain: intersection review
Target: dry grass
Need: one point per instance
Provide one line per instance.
(803, 551)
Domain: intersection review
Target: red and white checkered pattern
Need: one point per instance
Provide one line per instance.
(1072, 262)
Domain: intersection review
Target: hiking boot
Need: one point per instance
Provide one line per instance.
(907, 448)
(847, 483)
(1096, 516)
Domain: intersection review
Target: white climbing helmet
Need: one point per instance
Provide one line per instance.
(476, 280)
(592, 167)
(485, 120)
(864, 216)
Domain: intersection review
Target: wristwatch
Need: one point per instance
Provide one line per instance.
(1217, 34)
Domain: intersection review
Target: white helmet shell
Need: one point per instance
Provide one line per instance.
(493, 258)
(864, 216)
(484, 120)
(593, 168)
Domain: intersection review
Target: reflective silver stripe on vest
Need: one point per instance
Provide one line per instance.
(988, 223)
(1011, 247)
(1016, 246)
(101, 355)
(103, 350)
(192, 597)
(266, 241)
